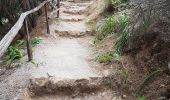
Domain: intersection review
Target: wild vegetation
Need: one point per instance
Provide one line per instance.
(137, 46)
(10, 12)
(17, 50)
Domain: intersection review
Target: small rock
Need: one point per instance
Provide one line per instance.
(162, 86)
(130, 81)
(103, 94)
(106, 73)
(124, 96)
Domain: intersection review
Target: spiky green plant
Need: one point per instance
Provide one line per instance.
(123, 33)
(145, 80)
(121, 43)
(104, 28)
(122, 22)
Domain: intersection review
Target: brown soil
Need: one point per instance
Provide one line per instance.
(132, 68)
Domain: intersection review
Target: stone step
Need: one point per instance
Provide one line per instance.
(42, 86)
(71, 29)
(74, 11)
(71, 19)
(81, 1)
(73, 33)
(72, 4)
(71, 26)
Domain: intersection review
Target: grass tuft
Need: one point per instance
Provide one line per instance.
(145, 80)
(105, 58)
(104, 28)
(123, 23)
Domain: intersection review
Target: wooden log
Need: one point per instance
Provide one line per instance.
(28, 41)
(8, 38)
(46, 15)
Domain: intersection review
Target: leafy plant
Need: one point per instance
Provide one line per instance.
(36, 41)
(105, 58)
(14, 53)
(141, 98)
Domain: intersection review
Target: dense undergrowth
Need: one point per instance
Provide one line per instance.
(138, 46)
(115, 24)
(10, 11)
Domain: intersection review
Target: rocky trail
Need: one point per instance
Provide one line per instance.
(62, 68)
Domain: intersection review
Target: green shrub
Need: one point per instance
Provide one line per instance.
(105, 58)
(141, 98)
(36, 41)
(14, 53)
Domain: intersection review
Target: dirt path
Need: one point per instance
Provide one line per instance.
(61, 68)
(62, 58)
